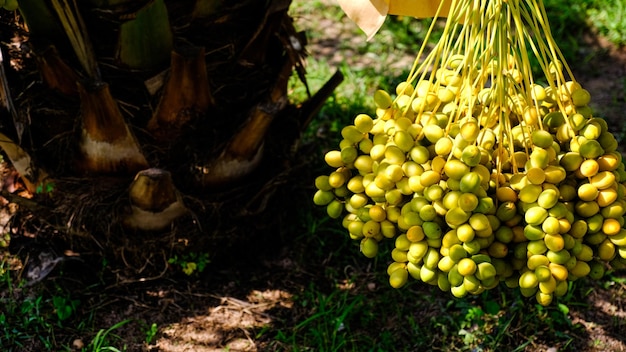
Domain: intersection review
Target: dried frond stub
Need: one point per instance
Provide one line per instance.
(107, 144)
(155, 201)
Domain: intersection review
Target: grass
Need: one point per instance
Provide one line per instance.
(24, 318)
(607, 17)
(102, 340)
(31, 316)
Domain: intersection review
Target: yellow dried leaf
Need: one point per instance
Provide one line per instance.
(369, 15)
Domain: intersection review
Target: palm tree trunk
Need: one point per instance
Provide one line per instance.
(166, 91)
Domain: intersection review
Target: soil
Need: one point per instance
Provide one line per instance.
(249, 287)
(602, 71)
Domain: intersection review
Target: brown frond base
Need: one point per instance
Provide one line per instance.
(229, 168)
(186, 94)
(107, 145)
(155, 202)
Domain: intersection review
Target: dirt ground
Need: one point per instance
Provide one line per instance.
(602, 71)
